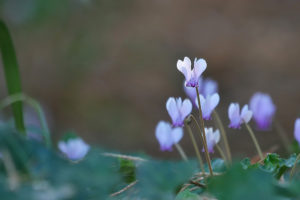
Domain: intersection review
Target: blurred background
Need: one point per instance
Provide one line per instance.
(105, 68)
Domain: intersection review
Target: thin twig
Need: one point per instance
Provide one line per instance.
(124, 189)
(126, 157)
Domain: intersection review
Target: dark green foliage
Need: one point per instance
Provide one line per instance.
(238, 183)
(163, 179)
(127, 170)
(11, 72)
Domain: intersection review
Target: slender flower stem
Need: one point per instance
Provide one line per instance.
(255, 141)
(224, 135)
(221, 152)
(203, 133)
(283, 136)
(181, 152)
(195, 147)
(294, 167)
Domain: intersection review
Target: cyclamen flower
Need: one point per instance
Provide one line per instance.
(237, 118)
(206, 87)
(191, 75)
(263, 110)
(212, 138)
(208, 104)
(297, 130)
(75, 149)
(167, 136)
(178, 110)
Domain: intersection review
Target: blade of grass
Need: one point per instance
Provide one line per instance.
(12, 75)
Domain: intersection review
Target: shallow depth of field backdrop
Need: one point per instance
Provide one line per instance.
(105, 68)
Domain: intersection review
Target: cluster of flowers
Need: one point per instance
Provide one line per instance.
(262, 108)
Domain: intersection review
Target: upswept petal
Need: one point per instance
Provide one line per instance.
(199, 67)
(185, 67)
(297, 130)
(246, 114)
(217, 136)
(162, 133)
(172, 109)
(186, 108)
(177, 134)
(213, 100)
(233, 111)
(209, 87)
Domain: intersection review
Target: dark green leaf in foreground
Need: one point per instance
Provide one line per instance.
(163, 179)
(276, 165)
(11, 72)
(237, 184)
(187, 195)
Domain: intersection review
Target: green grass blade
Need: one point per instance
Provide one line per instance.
(12, 75)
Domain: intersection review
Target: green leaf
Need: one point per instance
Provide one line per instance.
(127, 170)
(276, 165)
(163, 179)
(12, 75)
(238, 184)
(187, 195)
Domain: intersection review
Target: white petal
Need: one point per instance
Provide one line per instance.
(186, 108)
(214, 101)
(297, 130)
(217, 136)
(199, 67)
(234, 111)
(177, 134)
(162, 133)
(185, 67)
(172, 109)
(246, 114)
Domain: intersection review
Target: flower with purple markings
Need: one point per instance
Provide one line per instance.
(237, 118)
(74, 149)
(178, 110)
(206, 87)
(297, 130)
(167, 136)
(263, 110)
(191, 75)
(212, 138)
(208, 104)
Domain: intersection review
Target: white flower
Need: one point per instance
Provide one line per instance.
(167, 136)
(212, 138)
(75, 149)
(191, 75)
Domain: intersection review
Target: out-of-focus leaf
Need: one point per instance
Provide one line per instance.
(163, 179)
(11, 72)
(276, 165)
(238, 184)
(218, 165)
(187, 195)
(127, 170)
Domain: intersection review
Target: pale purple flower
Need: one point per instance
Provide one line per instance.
(74, 149)
(297, 130)
(167, 136)
(191, 75)
(206, 87)
(178, 110)
(237, 118)
(263, 110)
(212, 138)
(208, 104)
